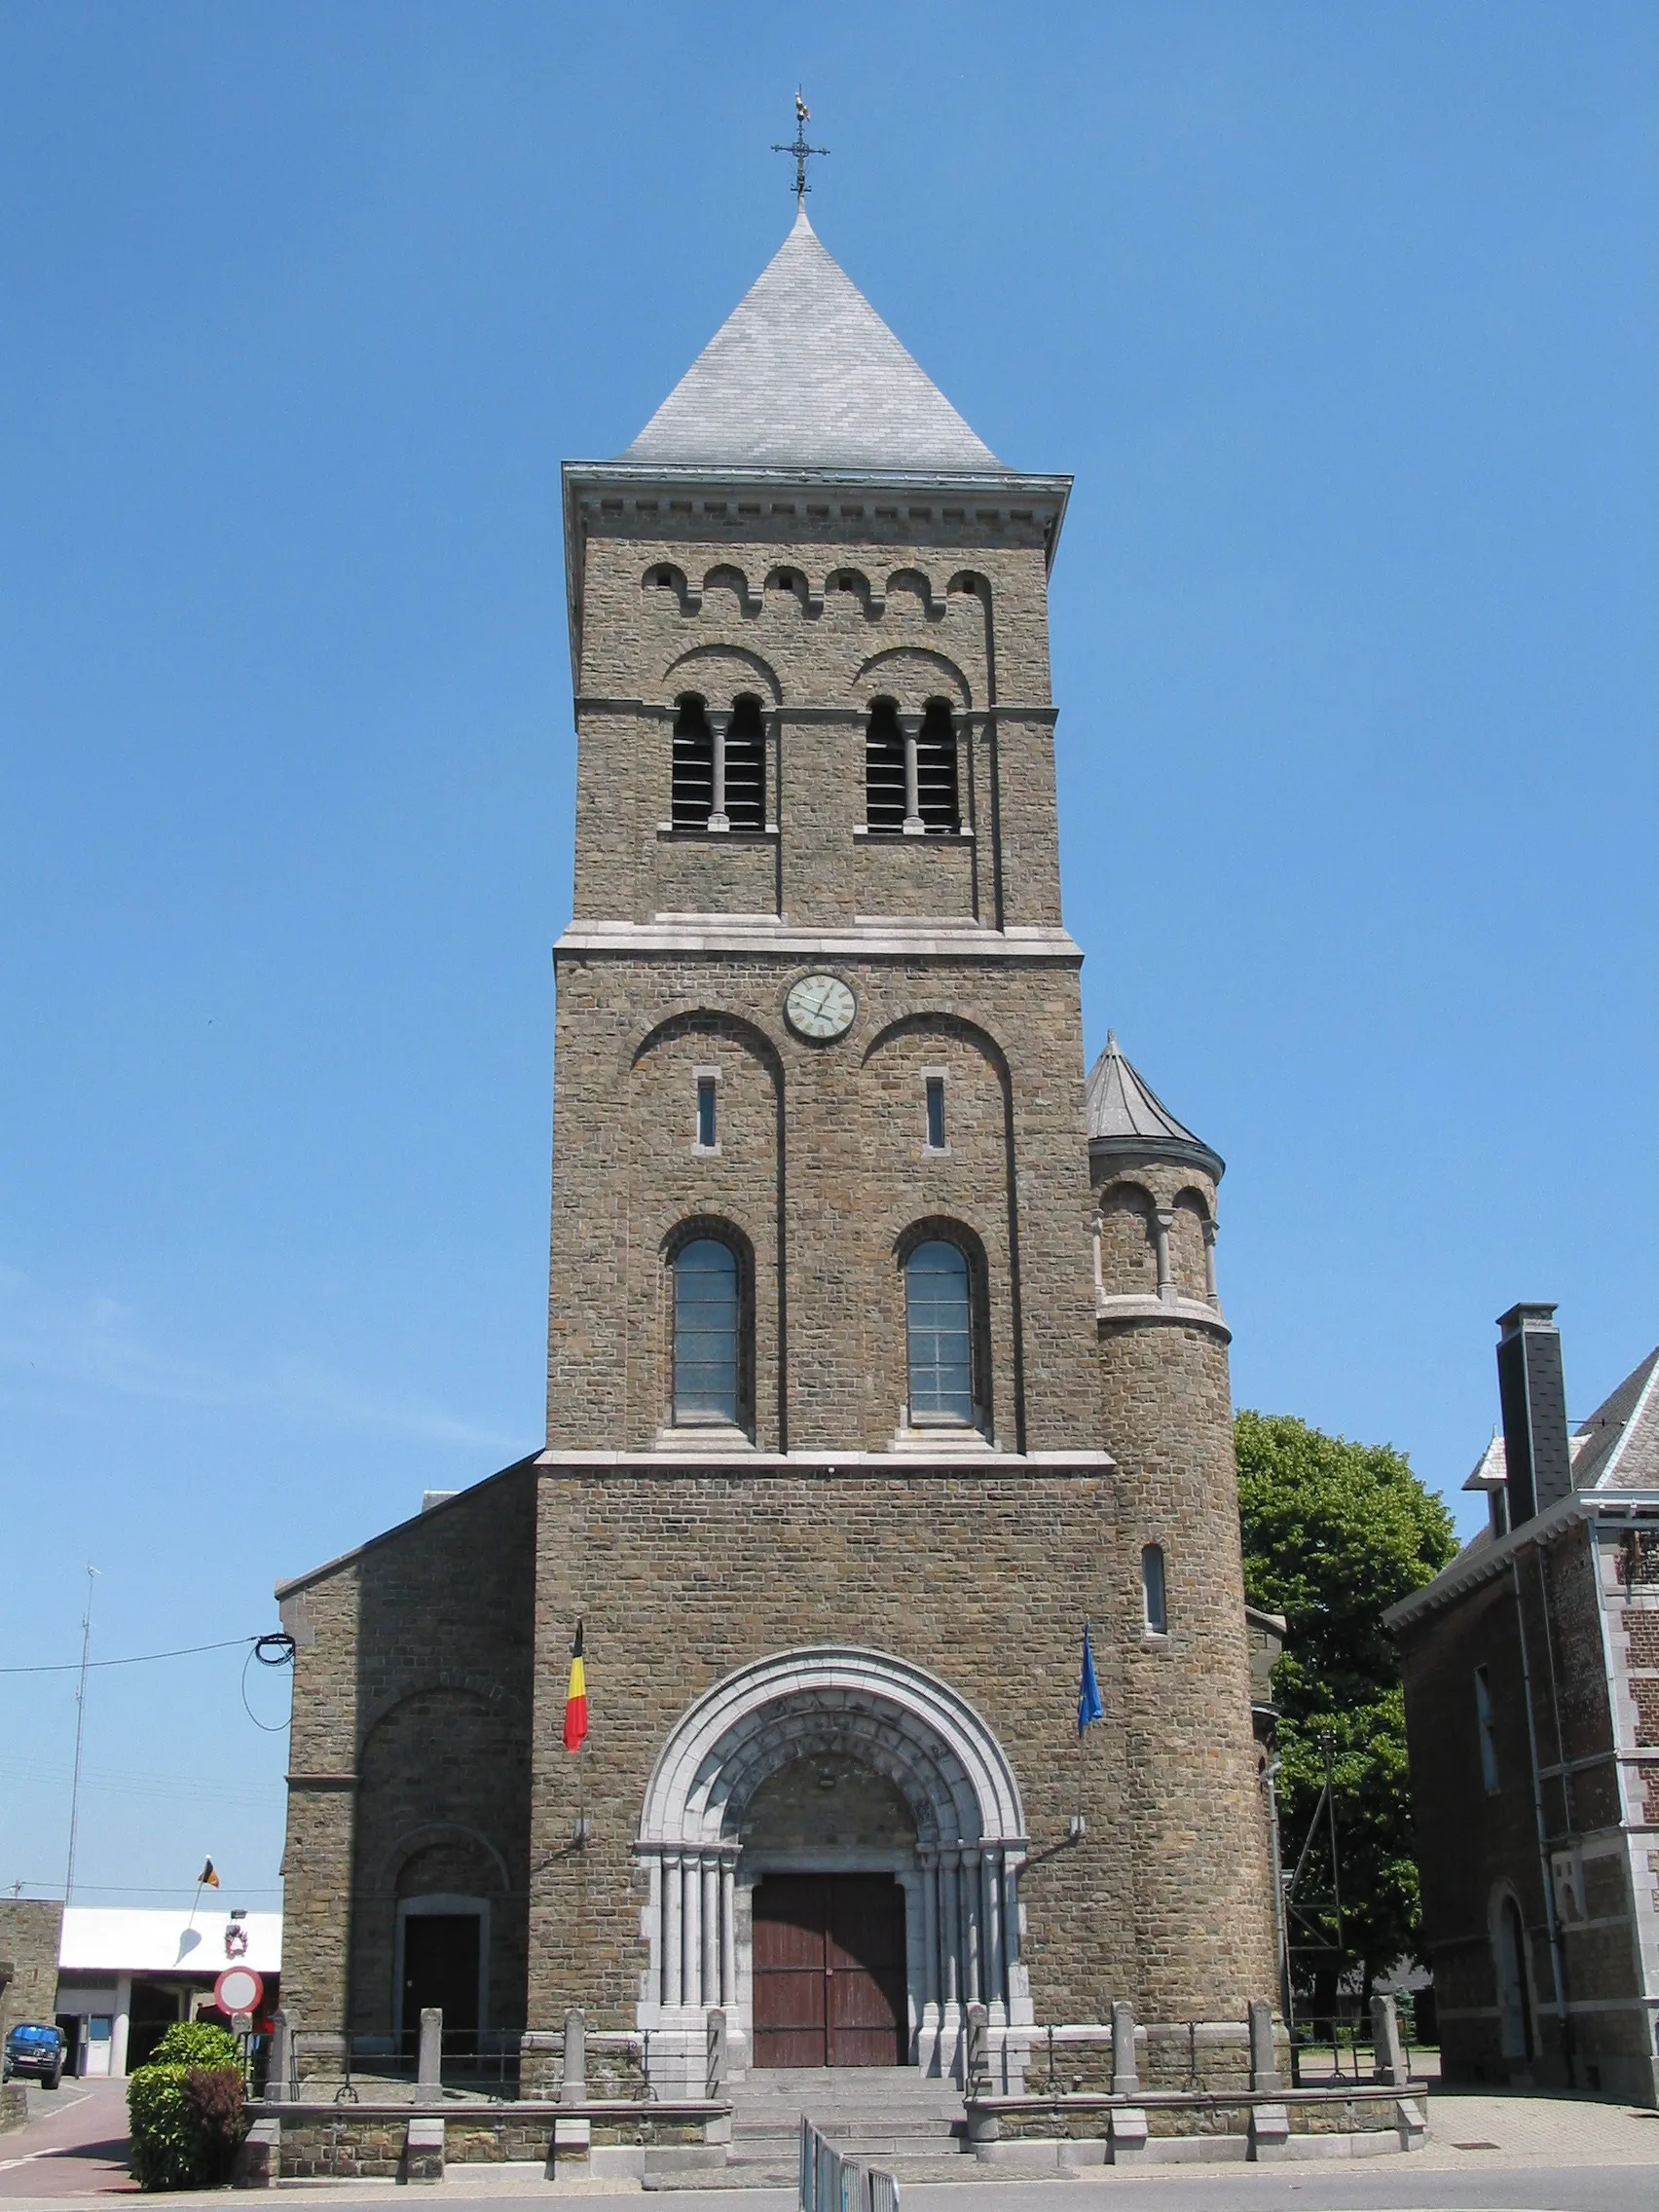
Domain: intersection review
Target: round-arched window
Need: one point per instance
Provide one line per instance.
(705, 1331)
(939, 1324)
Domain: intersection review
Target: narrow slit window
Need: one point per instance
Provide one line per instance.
(707, 1125)
(1154, 1601)
(1488, 1732)
(936, 1113)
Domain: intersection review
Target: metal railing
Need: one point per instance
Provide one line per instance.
(475, 2063)
(831, 2182)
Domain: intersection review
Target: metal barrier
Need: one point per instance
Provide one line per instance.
(831, 2182)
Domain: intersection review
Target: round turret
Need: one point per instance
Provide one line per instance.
(1203, 1875)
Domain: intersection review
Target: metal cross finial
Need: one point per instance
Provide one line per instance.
(800, 149)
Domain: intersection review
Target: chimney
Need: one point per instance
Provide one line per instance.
(1533, 1399)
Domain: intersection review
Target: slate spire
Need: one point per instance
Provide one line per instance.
(804, 375)
(1126, 1114)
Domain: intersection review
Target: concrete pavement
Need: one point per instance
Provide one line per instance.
(1513, 2153)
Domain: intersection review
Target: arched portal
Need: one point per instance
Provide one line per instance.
(916, 1786)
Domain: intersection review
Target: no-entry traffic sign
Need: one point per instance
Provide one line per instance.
(239, 1989)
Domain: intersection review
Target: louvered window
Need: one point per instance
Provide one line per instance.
(935, 773)
(746, 767)
(884, 770)
(694, 767)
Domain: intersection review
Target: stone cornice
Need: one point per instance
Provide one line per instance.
(1183, 1312)
(813, 496)
(748, 935)
(906, 1466)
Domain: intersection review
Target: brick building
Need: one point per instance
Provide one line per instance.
(1532, 1683)
(881, 1355)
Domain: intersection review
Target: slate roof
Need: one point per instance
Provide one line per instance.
(1616, 1449)
(1123, 1109)
(805, 374)
(1621, 1438)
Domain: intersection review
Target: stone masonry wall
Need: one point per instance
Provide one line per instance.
(409, 1766)
(985, 1580)
(822, 1165)
(32, 1932)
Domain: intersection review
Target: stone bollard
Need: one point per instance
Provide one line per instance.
(573, 2138)
(1388, 2050)
(1126, 2145)
(573, 2089)
(1265, 2075)
(429, 2068)
(276, 2065)
(977, 2056)
(714, 2070)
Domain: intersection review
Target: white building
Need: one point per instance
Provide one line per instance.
(126, 1973)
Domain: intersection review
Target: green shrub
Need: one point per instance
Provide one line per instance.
(186, 2123)
(197, 2042)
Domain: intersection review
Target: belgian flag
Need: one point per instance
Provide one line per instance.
(575, 1697)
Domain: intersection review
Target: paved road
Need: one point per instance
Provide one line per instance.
(79, 2146)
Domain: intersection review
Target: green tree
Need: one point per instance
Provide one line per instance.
(1334, 1534)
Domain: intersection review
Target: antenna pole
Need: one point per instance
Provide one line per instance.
(80, 1731)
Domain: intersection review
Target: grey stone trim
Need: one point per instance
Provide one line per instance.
(636, 940)
(905, 1465)
(851, 717)
(1185, 1313)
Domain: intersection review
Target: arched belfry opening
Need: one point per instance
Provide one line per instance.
(832, 1841)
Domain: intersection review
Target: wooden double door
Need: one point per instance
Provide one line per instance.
(829, 1971)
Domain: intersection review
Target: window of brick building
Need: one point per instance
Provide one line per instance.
(910, 779)
(1488, 1733)
(933, 1092)
(707, 1332)
(1155, 1608)
(693, 766)
(939, 1311)
(708, 1123)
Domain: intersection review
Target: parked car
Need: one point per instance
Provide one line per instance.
(34, 2051)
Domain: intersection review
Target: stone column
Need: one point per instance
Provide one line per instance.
(1162, 1221)
(728, 1930)
(719, 724)
(973, 1985)
(910, 729)
(276, 2064)
(671, 1938)
(950, 1929)
(994, 1984)
(691, 1922)
(1125, 2071)
(1210, 1291)
(930, 1934)
(711, 1930)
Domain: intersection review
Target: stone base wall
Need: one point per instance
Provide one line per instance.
(31, 1933)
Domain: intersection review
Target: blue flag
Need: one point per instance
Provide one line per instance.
(1089, 1705)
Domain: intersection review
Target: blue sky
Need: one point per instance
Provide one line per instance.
(1347, 320)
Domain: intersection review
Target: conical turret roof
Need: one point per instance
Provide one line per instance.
(804, 375)
(1126, 1114)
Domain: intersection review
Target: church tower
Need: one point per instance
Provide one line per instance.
(861, 1398)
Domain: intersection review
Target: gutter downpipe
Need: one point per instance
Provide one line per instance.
(1558, 1970)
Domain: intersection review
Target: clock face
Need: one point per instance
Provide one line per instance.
(821, 1006)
